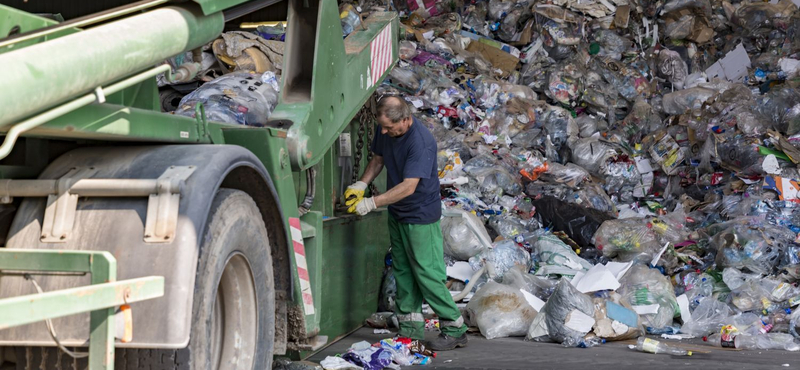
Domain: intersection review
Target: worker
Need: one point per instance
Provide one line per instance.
(408, 151)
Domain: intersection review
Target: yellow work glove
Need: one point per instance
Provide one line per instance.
(353, 195)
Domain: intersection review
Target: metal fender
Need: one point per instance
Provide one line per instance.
(116, 225)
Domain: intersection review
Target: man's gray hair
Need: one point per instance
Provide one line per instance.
(394, 108)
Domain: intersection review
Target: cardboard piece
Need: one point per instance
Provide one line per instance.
(525, 36)
(506, 62)
(733, 67)
(701, 33)
(497, 44)
(623, 16)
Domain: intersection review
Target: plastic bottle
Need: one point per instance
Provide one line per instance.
(717, 341)
(766, 341)
(350, 18)
(654, 346)
(781, 306)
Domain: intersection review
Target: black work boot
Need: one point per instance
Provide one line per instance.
(445, 342)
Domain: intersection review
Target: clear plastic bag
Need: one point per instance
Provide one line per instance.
(613, 45)
(540, 286)
(756, 249)
(500, 311)
(626, 239)
(566, 313)
(672, 67)
(571, 175)
(557, 258)
(509, 226)
(236, 98)
(459, 240)
(707, 318)
(643, 288)
(407, 50)
(592, 154)
(503, 256)
(680, 102)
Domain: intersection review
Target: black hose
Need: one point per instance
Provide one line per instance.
(311, 192)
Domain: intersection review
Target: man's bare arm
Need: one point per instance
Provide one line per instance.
(374, 168)
(397, 193)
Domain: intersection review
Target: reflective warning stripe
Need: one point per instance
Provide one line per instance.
(380, 54)
(302, 265)
(414, 316)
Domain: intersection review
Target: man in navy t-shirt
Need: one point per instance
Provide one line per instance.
(408, 151)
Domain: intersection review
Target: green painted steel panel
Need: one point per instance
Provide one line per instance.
(352, 262)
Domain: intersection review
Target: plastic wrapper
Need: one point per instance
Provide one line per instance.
(502, 257)
(627, 239)
(459, 240)
(566, 314)
(371, 358)
(555, 257)
(237, 98)
(407, 50)
(647, 291)
(401, 355)
(707, 318)
(570, 175)
(579, 223)
(500, 311)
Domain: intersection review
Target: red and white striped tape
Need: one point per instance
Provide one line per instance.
(302, 265)
(380, 54)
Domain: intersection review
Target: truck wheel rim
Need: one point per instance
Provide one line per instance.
(234, 326)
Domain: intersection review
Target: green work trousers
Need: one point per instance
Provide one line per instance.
(418, 264)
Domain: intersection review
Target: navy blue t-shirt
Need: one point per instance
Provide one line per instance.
(412, 155)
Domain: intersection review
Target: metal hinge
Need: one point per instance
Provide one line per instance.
(62, 199)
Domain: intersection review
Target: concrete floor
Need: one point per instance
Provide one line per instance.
(515, 353)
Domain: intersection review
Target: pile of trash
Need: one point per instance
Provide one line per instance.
(609, 168)
(614, 168)
(386, 354)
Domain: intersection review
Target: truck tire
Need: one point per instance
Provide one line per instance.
(233, 313)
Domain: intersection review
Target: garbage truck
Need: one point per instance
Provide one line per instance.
(134, 238)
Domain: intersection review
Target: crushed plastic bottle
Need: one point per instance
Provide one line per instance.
(648, 345)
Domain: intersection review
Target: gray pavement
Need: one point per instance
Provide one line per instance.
(515, 353)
